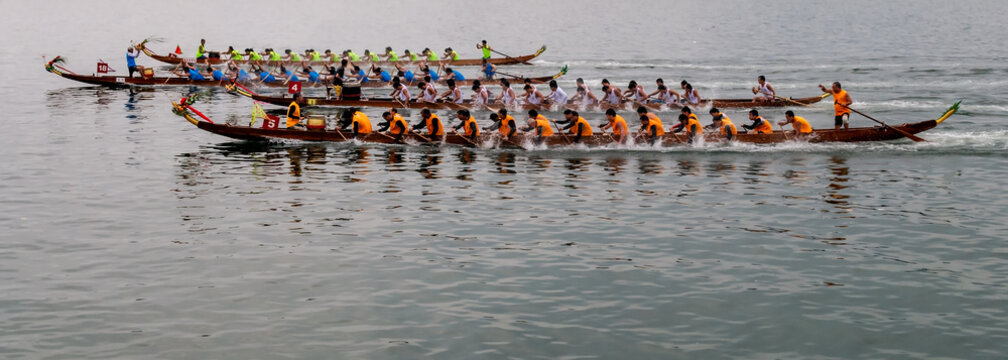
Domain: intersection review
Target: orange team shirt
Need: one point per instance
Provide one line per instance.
(544, 124)
(363, 123)
(801, 125)
(397, 119)
(586, 128)
(694, 123)
(434, 119)
(616, 128)
(654, 121)
(504, 129)
(728, 127)
(471, 126)
(838, 97)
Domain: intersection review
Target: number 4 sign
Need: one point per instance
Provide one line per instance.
(293, 87)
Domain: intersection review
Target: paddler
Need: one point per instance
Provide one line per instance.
(578, 125)
(452, 74)
(235, 54)
(217, 74)
(617, 124)
(801, 126)
(665, 95)
(507, 96)
(488, 69)
(651, 124)
(382, 74)
(411, 56)
(189, 71)
(611, 95)
(451, 55)
(637, 91)
(427, 91)
(357, 121)
(533, 96)
(390, 55)
(453, 94)
(291, 56)
(430, 122)
(690, 94)
(556, 96)
(294, 112)
(486, 49)
(431, 56)
(763, 90)
(689, 115)
(539, 124)
(371, 56)
(313, 55)
(394, 124)
(274, 58)
(350, 55)
(253, 56)
(468, 124)
(759, 125)
(503, 123)
(264, 76)
(692, 126)
(723, 124)
(841, 101)
(400, 93)
(481, 96)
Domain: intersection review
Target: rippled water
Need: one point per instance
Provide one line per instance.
(129, 233)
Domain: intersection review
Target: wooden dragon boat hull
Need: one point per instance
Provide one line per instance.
(862, 134)
(175, 59)
(468, 105)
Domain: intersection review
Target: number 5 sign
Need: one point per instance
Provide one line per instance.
(293, 87)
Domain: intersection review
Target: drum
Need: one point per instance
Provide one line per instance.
(316, 122)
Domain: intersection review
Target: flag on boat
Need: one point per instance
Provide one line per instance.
(178, 50)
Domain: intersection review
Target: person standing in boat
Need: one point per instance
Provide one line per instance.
(131, 55)
(430, 122)
(556, 96)
(468, 125)
(489, 70)
(764, 91)
(617, 124)
(801, 126)
(486, 49)
(201, 52)
(759, 125)
(841, 101)
(538, 123)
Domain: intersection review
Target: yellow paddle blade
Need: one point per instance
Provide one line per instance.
(949, 112)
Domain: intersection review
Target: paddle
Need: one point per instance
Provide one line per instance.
(511, 75)
(562, 133)
(904, 133)
(510, 57)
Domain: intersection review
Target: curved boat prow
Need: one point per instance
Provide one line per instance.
(949, 112)
(563, 71)
(180, 111)
(540, 51)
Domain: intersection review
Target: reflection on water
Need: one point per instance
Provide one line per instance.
(837, 182)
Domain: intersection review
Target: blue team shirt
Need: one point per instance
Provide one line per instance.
(364, 79)
(131, 59)
(458, 75)
(267, 77)
(218, 75)
(195, 75)
(242, 75)
(433, 75)
(385, 76)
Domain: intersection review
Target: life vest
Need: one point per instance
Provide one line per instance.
(200, 51)
(374, 57)
(801, 125)
(353, 56)
(764, 127)
(413, 57)
(430, 121)
(275, 57)
(432, 56)
(542, 122)
(486, 52)
(837, 97)
(293, 114)
(363, 123)
(586, 129)
(393, 56)
(255, 56)
(236, 55)
(454, 55)
(295, 57)
(504, 128)
(616, 128)
(470, 125)
(694, 123)
(727, 127)
(315, 56)
(654, 122)
(397, 119)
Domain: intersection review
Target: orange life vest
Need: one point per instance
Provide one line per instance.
(654, 122)
(727, 127)
(586, 128)
(471, 127)
(544, 124)
(617, 129)
(363, 123)
(397, 119)
(840, 96)
(764, 127)
(430, 121)
(504, 128)
(801, 125)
